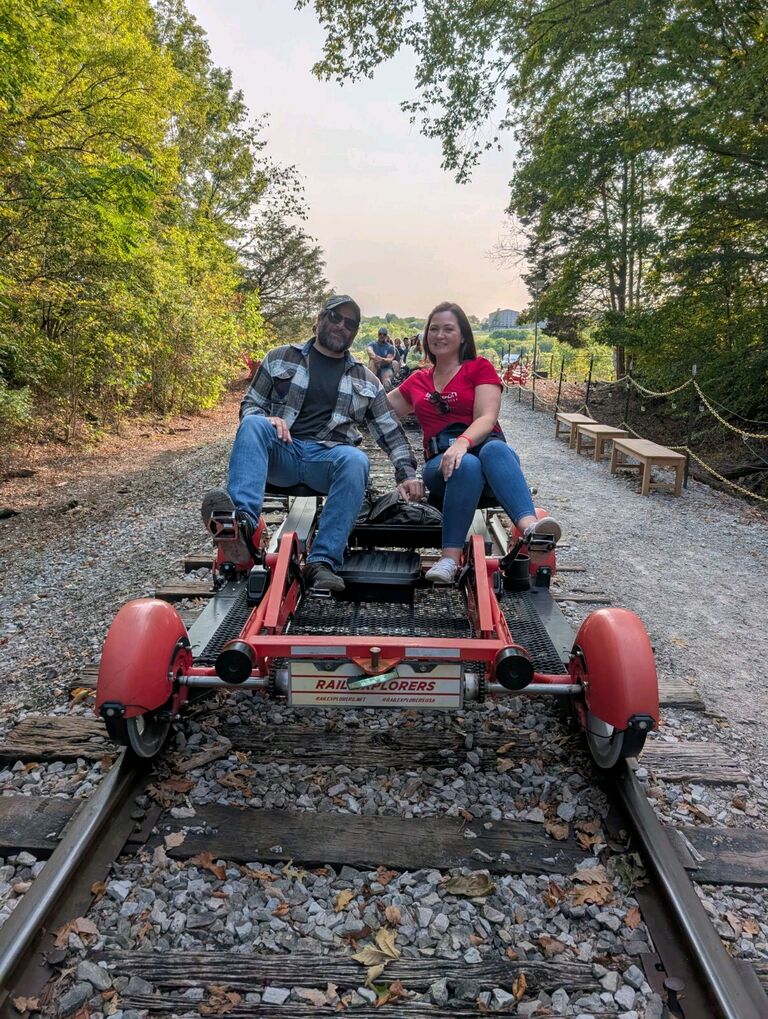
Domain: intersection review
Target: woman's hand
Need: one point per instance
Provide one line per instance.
(282, 429)
(453, 456)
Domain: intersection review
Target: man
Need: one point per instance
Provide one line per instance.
(382, 356)
(298, 425)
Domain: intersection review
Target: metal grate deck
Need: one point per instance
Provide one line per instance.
(528, 630)
(433, 614)
(228, 629)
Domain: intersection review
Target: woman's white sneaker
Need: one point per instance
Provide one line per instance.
(443, 572)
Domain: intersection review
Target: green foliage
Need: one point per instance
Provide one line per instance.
(131, 180)
(638, 192)
(397, 327)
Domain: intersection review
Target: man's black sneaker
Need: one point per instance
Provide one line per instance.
(320, 577)
(232, 530)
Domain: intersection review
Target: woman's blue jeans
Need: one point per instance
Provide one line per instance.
(496, 467)
(340, 471)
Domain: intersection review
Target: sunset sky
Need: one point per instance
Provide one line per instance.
(398, 233)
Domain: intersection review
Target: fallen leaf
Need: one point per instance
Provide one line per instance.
(595, 895)
(257, 875)
(474, 885)
(735, 922)
(282, 910)
(343, 899)
(374, 972)
(590, 827)
(519, 986)
(553, 894)
(371, 956)
(466, 814)
(504, 764)
(586, 841)
(205, 860)
(557, 829)
(26, 1004)
(591, 875)
(751, 927)
(385, 939)
(475, 939)
(80, 925)
(506, 747)
(392, 993)
(633, 918)
(511, 953)
(392, 913)
(99, 888)
(550, 946)
(174, 840)
(293, 873)
(177, 785)
(384, 876)
(220, 1001)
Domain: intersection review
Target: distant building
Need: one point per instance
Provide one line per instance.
(503, 318)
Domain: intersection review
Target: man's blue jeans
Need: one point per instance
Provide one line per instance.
(496, 467)
(340, 471)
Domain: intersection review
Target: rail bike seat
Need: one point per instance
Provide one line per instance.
(487, 500)
(294, 490)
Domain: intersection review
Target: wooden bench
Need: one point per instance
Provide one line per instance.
(565, 423)
(599, 434)
(650, 454)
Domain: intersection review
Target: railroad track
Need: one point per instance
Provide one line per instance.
(153, 823)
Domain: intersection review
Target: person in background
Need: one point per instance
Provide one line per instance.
(382, 356)
(299, 425)
(415, 357)
(456, 399)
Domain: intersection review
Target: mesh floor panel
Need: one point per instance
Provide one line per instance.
(433, 614)
(228, 629)
(528, 630)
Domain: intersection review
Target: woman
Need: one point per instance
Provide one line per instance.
(415, 355)
(456, 399)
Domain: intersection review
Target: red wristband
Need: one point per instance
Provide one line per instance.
(467, 439)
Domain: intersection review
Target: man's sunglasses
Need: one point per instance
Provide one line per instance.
(350, 324)
(439, 402)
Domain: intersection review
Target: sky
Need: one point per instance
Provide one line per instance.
(398, 233)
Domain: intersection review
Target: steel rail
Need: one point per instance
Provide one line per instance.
(25, 922)
(718, 968)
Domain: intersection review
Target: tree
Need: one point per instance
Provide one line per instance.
(642, 148)
(286, 268)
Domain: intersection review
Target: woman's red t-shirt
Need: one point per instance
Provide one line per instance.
(459, 395)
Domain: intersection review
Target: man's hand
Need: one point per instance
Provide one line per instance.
(283, 432)
(411, 490)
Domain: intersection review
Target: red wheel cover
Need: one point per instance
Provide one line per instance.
(138, 653)
(616, 664)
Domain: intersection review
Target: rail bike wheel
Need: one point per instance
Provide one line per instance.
(613, 662)
(146, 650)
(608, 746)
(144, 735)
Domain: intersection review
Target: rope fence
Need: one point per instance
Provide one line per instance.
(528, 378)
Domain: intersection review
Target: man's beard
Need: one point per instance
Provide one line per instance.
(335, 343)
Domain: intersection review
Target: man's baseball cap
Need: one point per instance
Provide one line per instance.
(383, 331)
(338, 300)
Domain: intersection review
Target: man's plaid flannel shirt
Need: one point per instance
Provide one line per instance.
(279, 387)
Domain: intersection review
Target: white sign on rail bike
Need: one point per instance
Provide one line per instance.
(315, 684)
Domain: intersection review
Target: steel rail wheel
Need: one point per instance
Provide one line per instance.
(608, 745)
